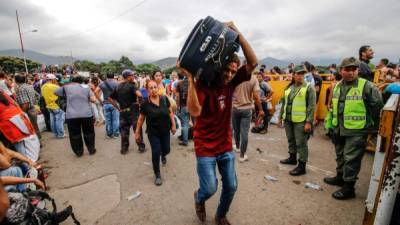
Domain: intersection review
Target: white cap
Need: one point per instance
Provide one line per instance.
(51, 76)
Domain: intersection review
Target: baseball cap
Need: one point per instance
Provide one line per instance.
(51, 76)
(127, 73)
(351, 61)
(299, 68)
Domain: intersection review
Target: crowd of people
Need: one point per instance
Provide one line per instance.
(216, 115)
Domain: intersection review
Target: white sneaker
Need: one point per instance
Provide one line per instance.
(243, 159)
(237, 150)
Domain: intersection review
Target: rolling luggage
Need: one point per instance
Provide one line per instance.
(208, 49)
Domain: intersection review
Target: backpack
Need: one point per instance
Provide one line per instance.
(29, 208)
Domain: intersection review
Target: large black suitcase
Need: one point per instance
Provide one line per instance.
(208, 49)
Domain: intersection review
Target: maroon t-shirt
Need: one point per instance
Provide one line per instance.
(212, 130)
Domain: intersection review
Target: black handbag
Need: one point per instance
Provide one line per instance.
(208, 49)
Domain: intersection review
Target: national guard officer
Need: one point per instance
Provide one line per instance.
(126, 95)
(356, 105)
(297, 114)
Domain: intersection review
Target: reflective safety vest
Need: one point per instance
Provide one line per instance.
(299, 105)
(355, 113)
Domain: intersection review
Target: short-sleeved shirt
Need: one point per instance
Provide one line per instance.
(108, 87)
(78, 104)
(212, 130)
(50, 98)
(158, 121)
(125, 94)
(243, 95)
(25, 94)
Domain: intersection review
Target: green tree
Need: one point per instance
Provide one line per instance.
(109, 68)
(125, 63)
(12, 64)
(169, 70)
(148, 68)
(86, 65)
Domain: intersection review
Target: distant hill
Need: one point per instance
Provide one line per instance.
(162, 63)
(268, 61)
(38, 57)
(271, 62)
(166, 63)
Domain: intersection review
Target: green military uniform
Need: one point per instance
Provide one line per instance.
(298, 106)
(356, 109)
(356, 106)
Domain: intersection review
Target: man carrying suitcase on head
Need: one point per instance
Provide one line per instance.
(211, 104)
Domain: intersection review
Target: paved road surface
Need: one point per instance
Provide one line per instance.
(98, 186)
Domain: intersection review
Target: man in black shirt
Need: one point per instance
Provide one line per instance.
(126, 96)
(367, 69)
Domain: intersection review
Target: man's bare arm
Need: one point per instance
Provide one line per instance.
(8, 180)
(193, 104)
(248, 52)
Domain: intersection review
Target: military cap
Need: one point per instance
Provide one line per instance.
(299, 69)
(351, 61)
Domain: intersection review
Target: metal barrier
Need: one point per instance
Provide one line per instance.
(280, 82)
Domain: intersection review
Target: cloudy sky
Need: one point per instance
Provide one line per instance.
(153, 29)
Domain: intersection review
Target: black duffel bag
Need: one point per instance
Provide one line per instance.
(208, 49)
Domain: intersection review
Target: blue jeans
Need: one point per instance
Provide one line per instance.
(57, 118)
(241, 119)
(13, 171)
(112, 119)
(185, 116)
(209, 183)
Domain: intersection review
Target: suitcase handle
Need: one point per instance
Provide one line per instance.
(218, 51)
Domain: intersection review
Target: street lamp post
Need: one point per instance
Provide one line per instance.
(20, 39)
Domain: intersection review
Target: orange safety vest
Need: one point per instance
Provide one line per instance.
(9, 129)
